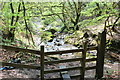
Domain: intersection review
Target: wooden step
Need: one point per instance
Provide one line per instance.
(64, 74)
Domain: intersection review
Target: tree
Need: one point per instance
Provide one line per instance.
(68, 12)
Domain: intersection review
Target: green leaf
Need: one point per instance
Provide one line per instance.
(12, 26)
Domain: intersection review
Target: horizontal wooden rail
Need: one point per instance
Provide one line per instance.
(71, 76)
(20, 65)
(64, 69)
(63, 61)
(69, 60)
(63, 51)
(20, 49)
(46, 53)
(89, 68)
(91, 59)
(54, 78)
(75, 76)
(69, 51)
(92, 48)
(50, 62)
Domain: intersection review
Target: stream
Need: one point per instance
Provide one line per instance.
(55, 45)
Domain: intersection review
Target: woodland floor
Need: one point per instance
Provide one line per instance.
(111, 70)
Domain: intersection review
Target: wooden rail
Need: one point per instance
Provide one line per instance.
(69, 51)
(91, 59)
(64, 69)
(69, 60)
(42, 54)
(46, 53)
(83, 60)
(89, 68)
(20, 65)
(72, 76)
(20, 49)
(67, 69)
(63, 61)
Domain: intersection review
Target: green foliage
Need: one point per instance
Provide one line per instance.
(75, 38)
(91, 11)
(45, 35)
(11, 26)
(65, 14)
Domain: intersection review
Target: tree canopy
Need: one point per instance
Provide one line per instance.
(19, 17)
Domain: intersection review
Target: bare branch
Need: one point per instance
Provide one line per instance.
(27, 28)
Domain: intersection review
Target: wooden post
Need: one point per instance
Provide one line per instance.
(42, 62)
(83, 60)
(100, 55)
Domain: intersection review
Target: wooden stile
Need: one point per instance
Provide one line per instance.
(83, 60)
(64, 74)
(42, 62)
(100, 55)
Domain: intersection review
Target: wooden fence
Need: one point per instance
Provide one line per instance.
(99, 60)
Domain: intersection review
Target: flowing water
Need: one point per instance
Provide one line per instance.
(56, 45)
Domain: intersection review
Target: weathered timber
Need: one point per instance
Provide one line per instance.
(91, 59)
(115, 55)
(92, 48)
(42, 62)
(69, 51)
(64, 74)
(62, 70)
(100, 55)
(63, 52)
(69, 60)
(72, 77)
(89, 68)
(20, 49)
(65, 69)
(46, 53)
(63, 61)
(83, 60)
(75, 76)
(20, 65)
